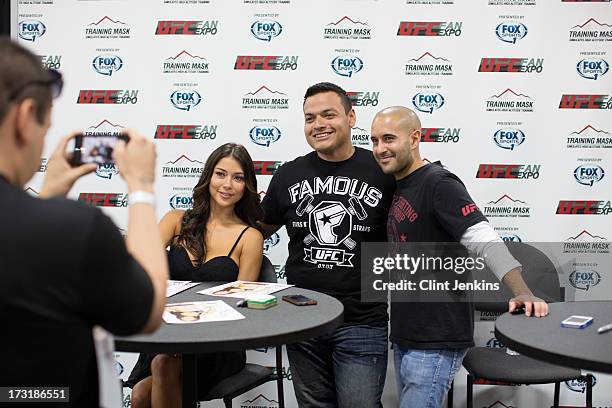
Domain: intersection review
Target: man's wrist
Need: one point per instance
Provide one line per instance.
(48, 191)
(141, 197)
(140, 184)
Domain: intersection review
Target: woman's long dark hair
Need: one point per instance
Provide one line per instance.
(248, 209)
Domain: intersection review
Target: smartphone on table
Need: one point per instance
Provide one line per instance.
(299, 300)
(577, 322)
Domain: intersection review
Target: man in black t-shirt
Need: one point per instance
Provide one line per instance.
(431, 204)
(331, 200)
(64, 267)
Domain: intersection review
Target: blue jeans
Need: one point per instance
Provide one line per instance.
(424, 376)
(345, 368)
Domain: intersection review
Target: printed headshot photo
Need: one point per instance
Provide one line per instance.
(242, 287)
(188, 313)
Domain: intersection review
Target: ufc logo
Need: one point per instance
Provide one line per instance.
(468, 209)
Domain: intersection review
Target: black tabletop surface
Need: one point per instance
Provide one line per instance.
(545, 339)
(281, 324)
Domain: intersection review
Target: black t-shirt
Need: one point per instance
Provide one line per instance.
(64, 268)
(431, 205)
(329, 209)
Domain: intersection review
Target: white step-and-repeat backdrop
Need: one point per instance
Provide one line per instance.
(515, 97)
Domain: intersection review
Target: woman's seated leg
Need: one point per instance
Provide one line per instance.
(141, 393)
(166, 384)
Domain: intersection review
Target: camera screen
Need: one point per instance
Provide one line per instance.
(97, 149)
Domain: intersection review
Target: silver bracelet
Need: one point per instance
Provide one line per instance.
(141, 197)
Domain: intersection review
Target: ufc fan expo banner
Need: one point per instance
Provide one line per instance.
(515, 97)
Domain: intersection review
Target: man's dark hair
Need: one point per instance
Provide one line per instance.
(18, 67)
(329, 87)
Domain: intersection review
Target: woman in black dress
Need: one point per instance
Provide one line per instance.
(217, 240)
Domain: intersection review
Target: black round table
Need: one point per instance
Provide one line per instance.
(284, 323)
(545, 339)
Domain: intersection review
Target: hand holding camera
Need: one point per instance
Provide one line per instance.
(61, 174)
(136, 161)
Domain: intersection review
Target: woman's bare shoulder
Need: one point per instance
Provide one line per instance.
(253, 234)
(173, 216)
(174, 219)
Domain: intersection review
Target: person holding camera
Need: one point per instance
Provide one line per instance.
(65, 267)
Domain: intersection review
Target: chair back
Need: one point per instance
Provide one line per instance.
(267, 273)
(539, 273)
(109, 384)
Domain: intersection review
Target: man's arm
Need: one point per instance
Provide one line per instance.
(269, 229)
(477, 235)
(273, 214)
(482, 239)
(523, 296)
(136, 163)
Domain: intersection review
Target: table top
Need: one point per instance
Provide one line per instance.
(284, 323)
(545, 339)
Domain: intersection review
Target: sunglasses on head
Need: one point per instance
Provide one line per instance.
(54, 82)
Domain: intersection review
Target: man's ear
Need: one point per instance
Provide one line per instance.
(352, 117)
(25, 119)
(415, 138)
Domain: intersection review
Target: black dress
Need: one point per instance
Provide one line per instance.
(212, 367)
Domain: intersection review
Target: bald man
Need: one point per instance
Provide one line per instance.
(430, 342)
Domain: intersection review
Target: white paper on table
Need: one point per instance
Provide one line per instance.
(176, 286)
(200, 312)
(244, 289)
